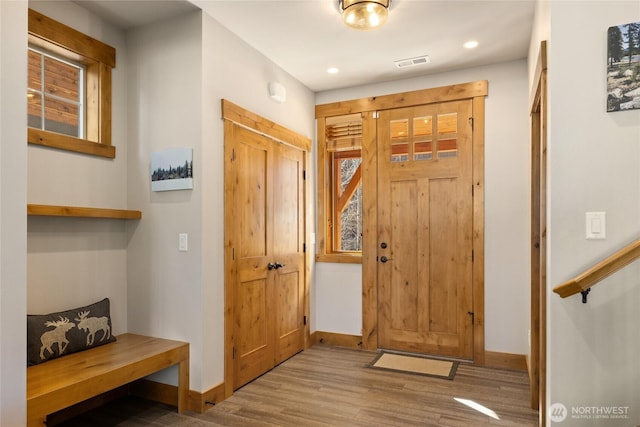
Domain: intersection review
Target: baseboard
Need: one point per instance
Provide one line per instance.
(528, 362)
(201, 402)
(339, 340)
(494, 359)
(168, 394)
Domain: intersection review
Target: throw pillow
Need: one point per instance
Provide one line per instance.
(57, 334)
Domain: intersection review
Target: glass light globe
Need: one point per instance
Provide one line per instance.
(364, 15)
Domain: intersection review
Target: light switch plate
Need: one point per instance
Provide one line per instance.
(596, 223)
(183, 242)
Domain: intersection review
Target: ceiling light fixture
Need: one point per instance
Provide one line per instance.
(364, 14)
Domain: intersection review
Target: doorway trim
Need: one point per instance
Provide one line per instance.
(538, 352)
(477, 91)
(234, 114)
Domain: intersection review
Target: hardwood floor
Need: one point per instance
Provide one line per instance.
(331, 386)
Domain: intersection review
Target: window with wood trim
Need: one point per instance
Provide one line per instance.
(55, 94)
(69, 88)
(340, 188)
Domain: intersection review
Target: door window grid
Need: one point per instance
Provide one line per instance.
(423, 135)
(447, 135)
(399, 140)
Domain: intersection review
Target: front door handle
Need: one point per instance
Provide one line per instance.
(384, 259)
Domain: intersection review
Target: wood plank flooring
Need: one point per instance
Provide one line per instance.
(331, 386)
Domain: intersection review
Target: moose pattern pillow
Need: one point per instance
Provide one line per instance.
(57, 334)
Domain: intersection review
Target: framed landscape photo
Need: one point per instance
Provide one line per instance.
(172, 169)
(623, 67)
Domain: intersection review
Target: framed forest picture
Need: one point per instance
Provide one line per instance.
(172, 169)
(623, 67)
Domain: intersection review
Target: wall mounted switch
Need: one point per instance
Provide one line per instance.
(596, 225)
(183, 242)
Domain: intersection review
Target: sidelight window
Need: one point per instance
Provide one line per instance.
(340, 189)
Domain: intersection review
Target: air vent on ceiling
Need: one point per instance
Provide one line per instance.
(412, 62)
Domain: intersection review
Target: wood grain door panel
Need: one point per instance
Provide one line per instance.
(288, 229)
(254, 344)
(425, 222)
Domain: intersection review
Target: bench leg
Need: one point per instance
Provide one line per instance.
(37, 421)
(183, 385)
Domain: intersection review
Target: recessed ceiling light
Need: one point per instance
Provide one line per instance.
(332, 70)
(471, 44)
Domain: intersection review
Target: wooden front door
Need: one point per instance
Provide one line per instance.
(265, 182)
(425, 224)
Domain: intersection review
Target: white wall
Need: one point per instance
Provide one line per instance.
(74, 262)
(234, 71)
(594, 165)
(338, 298)
(539, 32)
(180, 70)
(167, 87)
(164, 85)
(506, 209)
(13, 223)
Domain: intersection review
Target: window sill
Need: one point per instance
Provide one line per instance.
(69, 143)
(340, 258)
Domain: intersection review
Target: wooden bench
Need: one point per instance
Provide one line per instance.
(65, 381)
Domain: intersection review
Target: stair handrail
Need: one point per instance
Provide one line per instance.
(583, 281)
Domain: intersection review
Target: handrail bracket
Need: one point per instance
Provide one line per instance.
(584, 295)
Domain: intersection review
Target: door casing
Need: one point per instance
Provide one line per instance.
(476, 91)
(538, 357)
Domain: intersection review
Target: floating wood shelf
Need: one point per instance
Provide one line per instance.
(81, 212)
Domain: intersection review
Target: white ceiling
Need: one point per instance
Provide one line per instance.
(305, 37)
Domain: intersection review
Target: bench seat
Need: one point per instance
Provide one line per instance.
(65, 381)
